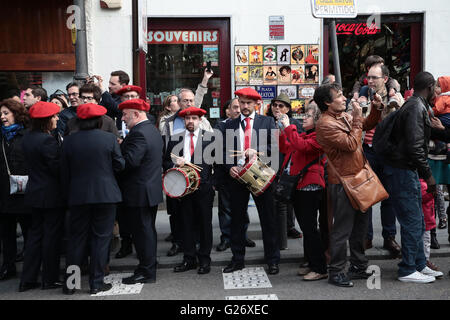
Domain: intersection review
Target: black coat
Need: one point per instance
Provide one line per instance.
(206, 172)
(43, 154)
(17, 165)
(90, 158)
(141, 182)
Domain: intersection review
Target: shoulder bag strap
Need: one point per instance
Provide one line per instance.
(4, 154)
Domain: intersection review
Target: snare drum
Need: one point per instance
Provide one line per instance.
(178, 182)
(256, 175)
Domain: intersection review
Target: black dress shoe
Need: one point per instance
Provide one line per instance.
(104, 287)
(28, 286)
(174, 250)
(434, 242)
(185, 266)
(169, 238)
(7, 273)
(204, 269)
(19, 256)
(273, 269)
(294, 234)
(340, 280)
(250, 243)
(52, 285)
(138, 278)
(392, 246)
(356, 273)
(222, 246)
(232, 267)
(125, 250)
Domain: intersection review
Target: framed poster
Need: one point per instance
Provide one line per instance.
(290, 91)
(269, 55)
(256, 55)
(284, 75)
(312, 73)
(297, 54)
(312, 54)
(256, 75)
(298, 74)
(306, 91)
(241, 55)
(241, 75)
(283, 54)
(270, 74)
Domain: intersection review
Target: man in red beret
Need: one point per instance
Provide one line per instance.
(252, 133)
(141, 185)
(196, 207)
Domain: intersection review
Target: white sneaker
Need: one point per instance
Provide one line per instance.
(430, 272)
(417, 277)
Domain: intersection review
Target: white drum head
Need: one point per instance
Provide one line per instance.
(174, 183)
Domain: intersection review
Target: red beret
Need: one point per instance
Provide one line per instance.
(249, 93)
(128, 89)
(192, 111)
(137, 104)
(43, 109)
(90, 110)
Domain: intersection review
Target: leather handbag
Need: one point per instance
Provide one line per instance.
(363, 189)
(286, 184)
(17, 183)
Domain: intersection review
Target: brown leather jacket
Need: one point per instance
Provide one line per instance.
(340, 136)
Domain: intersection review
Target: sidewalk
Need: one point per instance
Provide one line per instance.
(254, 256)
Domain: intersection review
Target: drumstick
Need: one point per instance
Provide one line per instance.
(238, 155)
(187, 163)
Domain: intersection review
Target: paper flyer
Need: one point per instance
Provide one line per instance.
(284, 75)
(241, 55)
(256, 75)
(283, 54)
(297, 54)
(211, 53)
(312, 73)
(256, 55)
(241, 75)
(269, 55)
(270, 74)
(290, 91)
(298, 74)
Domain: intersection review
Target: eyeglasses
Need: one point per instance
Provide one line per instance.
(84, 98)
(128, 97)
(279, 105)
(75, 94)
(373, 77)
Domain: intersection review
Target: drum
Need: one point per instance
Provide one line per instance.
(257, 176)
(178, 182)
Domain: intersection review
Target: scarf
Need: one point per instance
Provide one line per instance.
(10, 131)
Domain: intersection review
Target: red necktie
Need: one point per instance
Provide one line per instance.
(247, 134)
(192, 145)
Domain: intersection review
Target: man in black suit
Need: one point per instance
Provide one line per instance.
(141, 185)
(196, 207)
(248, 130)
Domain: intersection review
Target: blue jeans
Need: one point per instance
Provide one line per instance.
(403, 187)
(387, 210)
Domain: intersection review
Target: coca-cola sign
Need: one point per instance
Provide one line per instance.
(358, 29)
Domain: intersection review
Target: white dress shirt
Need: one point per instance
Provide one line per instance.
(187, 144)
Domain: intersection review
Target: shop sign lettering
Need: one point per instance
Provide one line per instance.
(183, 37)
(357, 29)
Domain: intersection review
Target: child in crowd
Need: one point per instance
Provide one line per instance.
(441, 107)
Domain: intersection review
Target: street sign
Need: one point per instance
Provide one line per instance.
(334, 8)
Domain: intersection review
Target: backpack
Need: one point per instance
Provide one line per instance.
(382, 142)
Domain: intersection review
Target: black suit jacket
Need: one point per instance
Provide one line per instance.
(42, 155)
(90, 159)
(260, 122)
(198, 158)
(141, 181)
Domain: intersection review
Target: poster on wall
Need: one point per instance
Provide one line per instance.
(306, 91)
(312, 54)
(297, 105)
(211, 53)
(298, 74)
(241, 75)
(241, 55)
(312, 73)
(290, 91)
(297, 54)
(283, 54)
(256, 55)
(269, 55)
(270, 74)
(256, 75)
(284, 75)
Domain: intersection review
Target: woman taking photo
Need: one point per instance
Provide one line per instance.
(43, 195)
(14, 119)
(170, 106)
(302, 152)
(90, 158)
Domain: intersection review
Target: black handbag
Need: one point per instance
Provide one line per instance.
(286, 184)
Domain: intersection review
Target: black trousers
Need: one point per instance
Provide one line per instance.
(348, 224)
(306, 205)
(124, 223)
(93, 223)
(264, 203)
(197, 224)
(8, 232)
(44, 245)
(144, 236)
(175, 219)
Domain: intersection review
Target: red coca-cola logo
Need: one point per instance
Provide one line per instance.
(356, 29)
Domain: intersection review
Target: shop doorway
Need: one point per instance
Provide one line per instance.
(398, 42)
